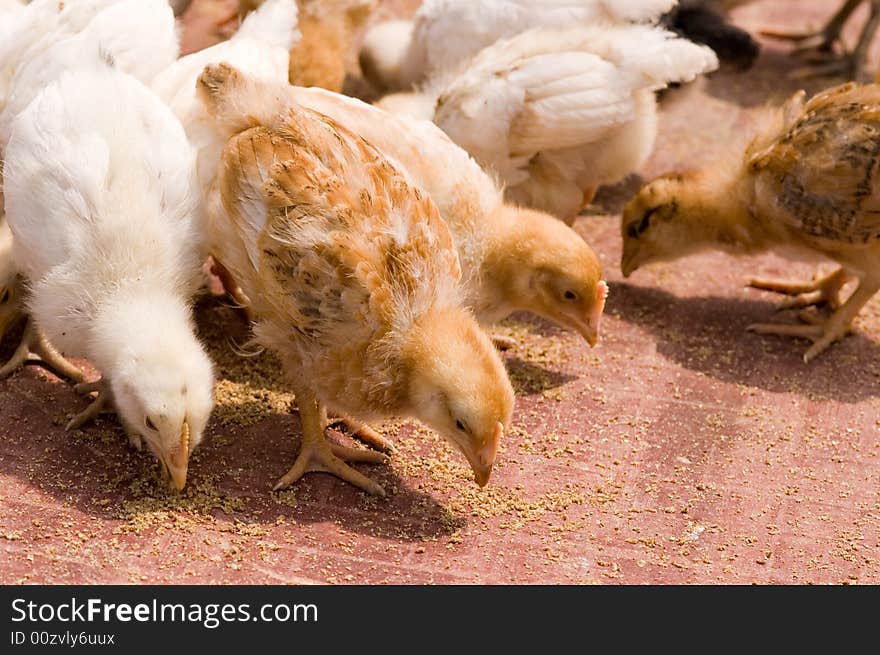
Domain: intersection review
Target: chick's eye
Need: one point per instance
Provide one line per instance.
(4, 297)
(460, 426)
(150, 425)
(635, 229)
(570, 295)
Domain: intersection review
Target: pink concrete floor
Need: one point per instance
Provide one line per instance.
(681, 450)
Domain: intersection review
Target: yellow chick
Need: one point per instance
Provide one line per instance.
(512, 259)
(327, 28)
(807, 183)
(9, 301)
(353, 280)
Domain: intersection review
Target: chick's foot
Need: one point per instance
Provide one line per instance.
(363, 432)
(824, 39)
(821, 291)
(819, 44)
(329, 458)
(35, 348)
(317, 455)
(98, 405)
(823, 333)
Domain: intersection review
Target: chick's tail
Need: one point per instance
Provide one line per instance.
(274, 23)
(238, 102)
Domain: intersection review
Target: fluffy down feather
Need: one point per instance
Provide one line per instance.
(511, 259)
(259, 48)
(557, 113)
(353, 277)
(100, 197)
(445, 33)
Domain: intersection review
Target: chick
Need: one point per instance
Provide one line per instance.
(33, 346)
(823, 41)
(398, 55)
(512, 259)
(328, 28)
(805, 183)
(139, 34)
(557, 113)
(141, 38)
(101, 197)
(260, 48)
(353, 279)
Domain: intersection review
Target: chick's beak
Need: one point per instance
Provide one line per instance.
(628, 263)
(483, 458)
(176, 461)
(594, 314)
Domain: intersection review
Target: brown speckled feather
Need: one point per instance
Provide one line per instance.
(822, 173)
(343, 251)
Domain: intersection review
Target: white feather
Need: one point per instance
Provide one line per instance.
(100, 197)
(261, 49)
(557, 113)
(445, 33)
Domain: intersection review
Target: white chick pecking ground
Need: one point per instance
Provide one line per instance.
(101, 200)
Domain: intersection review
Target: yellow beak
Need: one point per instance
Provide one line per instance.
(483, 458)
(177, 461)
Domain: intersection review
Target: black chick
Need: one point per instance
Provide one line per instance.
(702, 21)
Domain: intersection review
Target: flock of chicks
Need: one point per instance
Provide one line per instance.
(371, 246)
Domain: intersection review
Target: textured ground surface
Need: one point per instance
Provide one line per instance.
(680, 450)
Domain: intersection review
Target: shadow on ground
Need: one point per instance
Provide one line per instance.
(707, 334)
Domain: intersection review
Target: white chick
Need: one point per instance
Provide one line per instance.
(140, 34)
(259, 48)
(141, 38)
(399, 54)
(101, 198)
(558, 113)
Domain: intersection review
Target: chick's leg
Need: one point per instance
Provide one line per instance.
(824, 39)
(232, 289)
(850, 64)
(824, 333)
(821, 291)
(35, 348)
(316, 455)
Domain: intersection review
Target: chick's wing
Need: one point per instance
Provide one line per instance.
(335, 234)
(823, 171)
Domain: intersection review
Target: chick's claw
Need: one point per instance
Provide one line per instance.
(503, 342)
(821, 291)
(97, 406)
(363, 432)
(35, 348)
(321, 457)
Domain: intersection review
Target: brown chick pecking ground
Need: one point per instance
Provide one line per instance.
(805, 183)
(353, 279)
